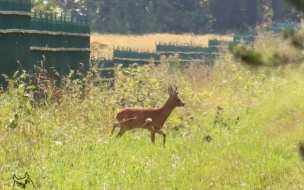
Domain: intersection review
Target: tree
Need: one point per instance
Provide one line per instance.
(52, 5)
(177, 16)
(252, 57)
(252, 12)
(171, 16)
(99, 14)
(277, 6)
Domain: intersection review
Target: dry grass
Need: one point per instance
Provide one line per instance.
(103, 44)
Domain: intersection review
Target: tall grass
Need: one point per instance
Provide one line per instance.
(240, 129)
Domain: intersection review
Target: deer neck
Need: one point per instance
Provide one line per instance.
(167, 109)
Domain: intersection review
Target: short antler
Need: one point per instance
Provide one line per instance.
(170, 89)
(175, 89)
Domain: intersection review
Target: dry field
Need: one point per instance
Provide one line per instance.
(103, 44)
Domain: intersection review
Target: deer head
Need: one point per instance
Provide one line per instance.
(174, 99)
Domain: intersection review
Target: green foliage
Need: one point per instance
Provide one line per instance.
(276, 47)
(174, 16)
(280, 57)
(223, 13)
(296, 39)
(55, 6)
(132, 93)
(246, 55)
(298, 4)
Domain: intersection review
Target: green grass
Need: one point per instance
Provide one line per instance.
(66, 144)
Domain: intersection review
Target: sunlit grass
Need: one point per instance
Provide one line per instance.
(66, 145)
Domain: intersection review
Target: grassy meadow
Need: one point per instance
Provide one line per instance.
(240, 129)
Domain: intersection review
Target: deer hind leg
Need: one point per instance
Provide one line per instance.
(152, 136)
(164, 135)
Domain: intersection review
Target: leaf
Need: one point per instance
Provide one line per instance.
(31, 87)
(20, 90)
(15, 74)
(6, 78)
(29, 106)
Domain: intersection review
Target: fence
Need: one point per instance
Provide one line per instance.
(15, 19)
(190, 52)
(124, 56)
(64, 43)
(279, 27)
(106, 68)
(24, 40)
(127, 56)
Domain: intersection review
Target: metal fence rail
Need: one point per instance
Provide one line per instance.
(14, 45)
(63, 43)
(127, 56)
(24, 40)
(190, 52)
(106, 68)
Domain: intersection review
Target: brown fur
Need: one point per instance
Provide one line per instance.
(151, 119)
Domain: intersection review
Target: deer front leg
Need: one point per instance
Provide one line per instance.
(152, 136)
(121, 132)
(114, 126)
(164, 135)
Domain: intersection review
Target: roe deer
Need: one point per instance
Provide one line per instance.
(151, 119)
